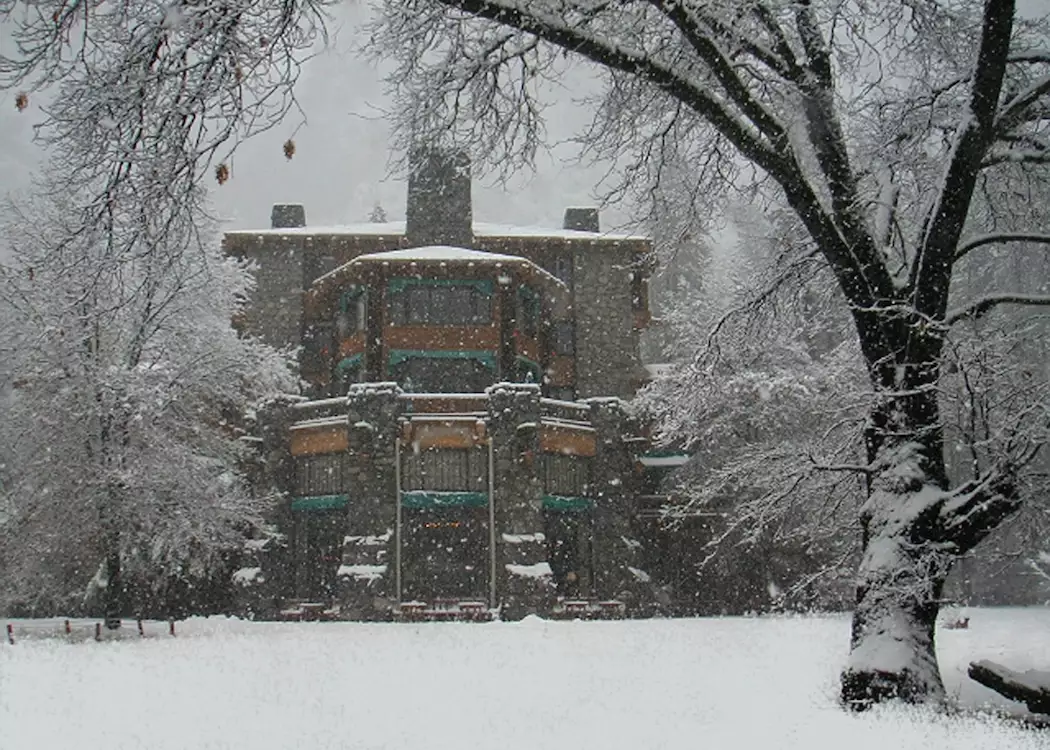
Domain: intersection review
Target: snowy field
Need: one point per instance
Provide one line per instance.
(765, 683)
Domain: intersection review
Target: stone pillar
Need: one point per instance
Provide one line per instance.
(524, 582)
(582, 219)
(265, 578)
(617, 554)
(287, 216)
(367, 588)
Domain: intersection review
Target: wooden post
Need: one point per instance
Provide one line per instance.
(142, 633)
(98, 631)
(11, 634)
(171, 627)
(69, 629)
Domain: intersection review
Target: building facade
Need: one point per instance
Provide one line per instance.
(462, 446)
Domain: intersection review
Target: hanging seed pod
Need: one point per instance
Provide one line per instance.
(21, 100)
(222, 173)
(289, 149)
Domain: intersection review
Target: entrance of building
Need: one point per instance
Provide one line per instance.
(444, 554)
(318, 552)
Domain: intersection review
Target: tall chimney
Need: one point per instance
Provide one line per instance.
(438, 210)
(287, 216)
(581, 219)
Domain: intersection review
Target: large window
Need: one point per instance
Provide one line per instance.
(445, 470)
(326, 474)
(563, 338)
(528, 311)
(443, 374)
(566, 475)
(353, 309)
(440, 303)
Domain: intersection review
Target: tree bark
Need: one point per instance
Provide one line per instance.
(900, 581)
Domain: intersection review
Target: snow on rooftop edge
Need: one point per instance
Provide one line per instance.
(481, 229)
(439, 253)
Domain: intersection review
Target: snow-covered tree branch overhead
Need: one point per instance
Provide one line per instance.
(893, 131)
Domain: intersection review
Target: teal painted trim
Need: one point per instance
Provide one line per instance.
(397, 356)
(350, 294)
(527, 293)
(320, 502)
(347, 363)
(567, 504)
(482, 285)
(432, 499)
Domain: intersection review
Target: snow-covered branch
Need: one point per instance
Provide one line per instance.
(987, 302)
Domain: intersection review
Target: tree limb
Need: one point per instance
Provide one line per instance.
(984, 304)
(998, 238)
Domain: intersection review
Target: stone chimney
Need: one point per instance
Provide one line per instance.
(287, 216)
(581, 219)
(438, 210)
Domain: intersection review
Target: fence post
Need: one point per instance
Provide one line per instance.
(142, 634)
(69, 630)
(11, 634)
(171, 626)
(98, 631)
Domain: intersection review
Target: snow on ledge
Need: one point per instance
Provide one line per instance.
(362, 572)
(248, 576)
(538, 536)
(536, 570)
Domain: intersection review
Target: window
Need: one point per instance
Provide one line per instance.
(563, 338)
(445, 470)
(353, 309)
(432, 374)
(435, 302)
(321, 475)
(566, 475)
(528, 311)
(562, 269)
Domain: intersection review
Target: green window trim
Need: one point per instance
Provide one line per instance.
(533, 366)
(320, 502)
(347, 363)
(350, 295)
(397, 356)
(482, 285)
(567, 504)
(433, 499)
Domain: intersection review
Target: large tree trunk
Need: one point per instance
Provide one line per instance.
(913, 530)
(905, 557)
(900, 581)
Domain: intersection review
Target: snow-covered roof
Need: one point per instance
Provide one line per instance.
(481, 229)
(441, 254)
(437, 253)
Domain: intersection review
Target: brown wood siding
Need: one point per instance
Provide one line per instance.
(562, 371)
(567, 440)
(352, 345)
(451, 434)
(527, 347)
(453, 338)
(313, 441)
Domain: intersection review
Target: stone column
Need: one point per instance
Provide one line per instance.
(617, 554)
(367, 588)
(524, 583)
(265, 578)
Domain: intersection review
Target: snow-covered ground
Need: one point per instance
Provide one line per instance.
(533, 685)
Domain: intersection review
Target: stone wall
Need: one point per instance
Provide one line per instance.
(608, 362)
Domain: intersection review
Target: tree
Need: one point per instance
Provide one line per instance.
(896, 134)
(127, 395)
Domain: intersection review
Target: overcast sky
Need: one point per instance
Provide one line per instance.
(340, 169)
